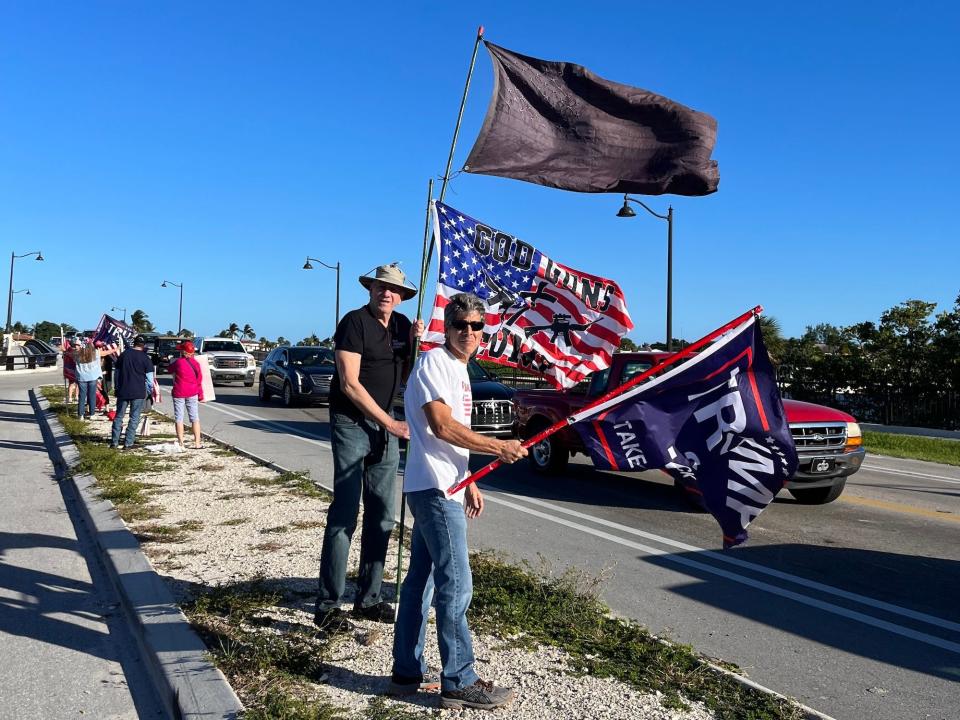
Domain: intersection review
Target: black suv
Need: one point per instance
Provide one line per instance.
(299, 374)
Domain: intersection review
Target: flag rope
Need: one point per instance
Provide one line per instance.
(606, 397)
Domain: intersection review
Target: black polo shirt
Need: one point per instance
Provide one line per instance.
(383, 352)
(130, 374)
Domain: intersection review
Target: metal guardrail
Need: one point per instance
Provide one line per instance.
(27, 362)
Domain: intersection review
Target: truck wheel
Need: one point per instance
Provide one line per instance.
(820, 495)
(263, 392)
(248, 384)
(288, 399)
(547, 457)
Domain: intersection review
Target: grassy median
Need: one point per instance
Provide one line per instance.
(913, 447)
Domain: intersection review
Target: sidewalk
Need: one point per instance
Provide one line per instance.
(67, 650)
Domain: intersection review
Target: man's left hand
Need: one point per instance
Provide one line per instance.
(473, 501)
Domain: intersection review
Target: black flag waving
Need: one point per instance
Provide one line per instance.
(557, 124)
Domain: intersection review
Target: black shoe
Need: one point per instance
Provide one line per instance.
(381, 612)
(400, 685)
(114, 447)
(332, 619)
(481, 694)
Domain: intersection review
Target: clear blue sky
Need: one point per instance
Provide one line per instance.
(219, 143)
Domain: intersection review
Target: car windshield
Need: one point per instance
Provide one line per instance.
(311, 357)
(476, 372)
(170, 345)
(222, 346)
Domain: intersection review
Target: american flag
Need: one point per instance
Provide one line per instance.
(540, 315)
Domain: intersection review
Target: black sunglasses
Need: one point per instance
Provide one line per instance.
(475, 325)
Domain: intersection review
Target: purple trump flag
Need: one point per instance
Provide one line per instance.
(716, 423)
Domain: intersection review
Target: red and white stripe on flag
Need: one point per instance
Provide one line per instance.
(558, 321)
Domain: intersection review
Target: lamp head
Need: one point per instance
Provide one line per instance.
(307, 265)
(39, 256)
(163, 284)
(28, 292)
(626, 210)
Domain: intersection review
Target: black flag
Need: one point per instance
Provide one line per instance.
(557, 124)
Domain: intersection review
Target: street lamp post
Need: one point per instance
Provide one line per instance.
(115, 308)
(627, 211)
(308, 266)
(180, 314)
(10, 294)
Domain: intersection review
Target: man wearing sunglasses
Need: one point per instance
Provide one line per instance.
(438, 402)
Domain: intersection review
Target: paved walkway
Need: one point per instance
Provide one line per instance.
(66, 651)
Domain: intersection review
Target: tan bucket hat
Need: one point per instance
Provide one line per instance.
(391, 275)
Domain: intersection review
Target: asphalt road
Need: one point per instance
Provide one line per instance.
(850, 607)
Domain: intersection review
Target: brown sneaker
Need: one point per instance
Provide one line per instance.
(483, 695)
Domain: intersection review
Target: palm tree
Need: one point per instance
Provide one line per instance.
(140, 322)
(233, 330)
(249, 332)
(186, 333)
(772, 337)
(311, 340)
(264, 343)
(282, 341)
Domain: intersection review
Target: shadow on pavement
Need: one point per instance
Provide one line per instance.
(859, 570)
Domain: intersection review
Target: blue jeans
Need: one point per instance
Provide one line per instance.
(365, 462)
(88, 397)
(440, 565)
(136, 407)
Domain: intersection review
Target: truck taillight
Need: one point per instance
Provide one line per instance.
(854, 436)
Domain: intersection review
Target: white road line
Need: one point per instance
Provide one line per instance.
(493, 496)
(925, 476)
(242, 415)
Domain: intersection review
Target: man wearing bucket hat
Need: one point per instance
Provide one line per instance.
(373, 350)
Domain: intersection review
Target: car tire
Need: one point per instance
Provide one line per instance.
(248, 384)
(820, 495)
(547, 457)
(288, 399)
(263, 392)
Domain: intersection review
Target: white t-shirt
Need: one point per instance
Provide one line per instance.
(431, 462)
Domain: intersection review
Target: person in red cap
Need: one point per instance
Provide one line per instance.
(187, 391)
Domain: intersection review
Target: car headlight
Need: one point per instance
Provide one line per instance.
(854, 437)
(300, 377)
(251, 362)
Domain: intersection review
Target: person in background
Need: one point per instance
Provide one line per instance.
(133, 381)
(372, 359)
(107, 366)
(69, 360)
(87, 371)
(187, 391)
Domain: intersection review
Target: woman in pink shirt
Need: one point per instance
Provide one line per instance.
(187, 391)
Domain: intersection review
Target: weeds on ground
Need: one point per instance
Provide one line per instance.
(913, 446)
(565, 611)
(272, 673)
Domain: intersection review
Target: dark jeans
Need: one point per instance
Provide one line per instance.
(365, 462)
(136, 407)
(88, 397)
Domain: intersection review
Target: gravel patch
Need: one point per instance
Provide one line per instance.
(225, 519)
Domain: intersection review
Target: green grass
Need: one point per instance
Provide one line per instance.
(914, 447)
(564, 611)
(273, 674)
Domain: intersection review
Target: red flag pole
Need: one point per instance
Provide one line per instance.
(666, 362)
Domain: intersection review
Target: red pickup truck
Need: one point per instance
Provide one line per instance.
(829, 442)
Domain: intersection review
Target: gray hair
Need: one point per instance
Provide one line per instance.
(460, 305)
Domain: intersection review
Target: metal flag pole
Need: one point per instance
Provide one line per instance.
(456, 133)
(413, 357)
(666, 362)
(425, 263)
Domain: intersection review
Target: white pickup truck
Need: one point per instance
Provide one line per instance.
(229, 362)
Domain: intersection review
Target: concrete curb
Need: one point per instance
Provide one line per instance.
(808, 713)
(175, 657)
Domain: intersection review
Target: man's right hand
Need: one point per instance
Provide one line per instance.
(511, 450)
(400, 429)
